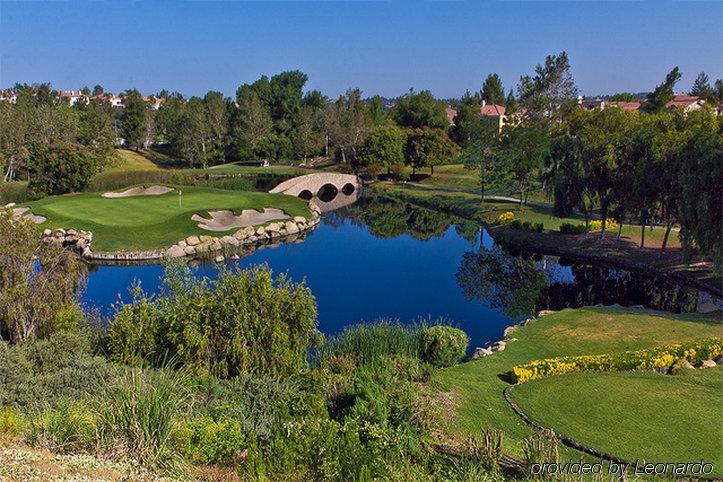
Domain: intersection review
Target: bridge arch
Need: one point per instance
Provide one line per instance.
(313, 183)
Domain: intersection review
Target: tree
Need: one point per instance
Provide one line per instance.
(60, 169)
(429, 147)
(469, 126)
(97, 131)
(248, 124)
(622, 97)
(346, 122)
(97, 90)
(377, 114)
(422, 110)
(700, 176)
(246, 321)
(481, 156)
(217, 121)
(510, 103)
(702, 88)
(384, 147)
(308, 138)
(523, 153)
(492, 90)
(40, 284)
(285, 102)
(551, 92)
(663, 93)
(133, 120)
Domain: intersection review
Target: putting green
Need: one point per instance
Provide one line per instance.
(148, 222)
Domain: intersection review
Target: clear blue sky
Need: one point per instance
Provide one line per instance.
(381, 47)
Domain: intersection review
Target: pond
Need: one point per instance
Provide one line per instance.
(379, 258)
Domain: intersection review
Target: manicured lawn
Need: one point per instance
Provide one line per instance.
(146, 222)
(658, 418)
(131, 161)
(476, 386)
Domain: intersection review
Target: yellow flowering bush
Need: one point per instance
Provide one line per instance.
(661, 356)
(596, 224)
(505, 218)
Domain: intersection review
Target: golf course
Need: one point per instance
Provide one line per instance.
(663, 417)
(152, 221)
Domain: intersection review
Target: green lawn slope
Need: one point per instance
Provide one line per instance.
(476, 386)
(634, 415)
(148, 222)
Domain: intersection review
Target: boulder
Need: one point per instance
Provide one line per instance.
(249, 230)
(219, 259)
(215, 246)
(240, 234)
(291, 227)
(182, 243)
(202, 248)
(679, 366)
(545, 312)
(47, 232)
(719, 359)
(205, 239)
(175, 251)
(9, 205)
(260, 231)
(498, 346)
(87, 253)
(509, 330)
(193, 241)
(480, 352)
(708, 364)
(229, 241)
(189, 250)
(299, 219)
(59, 233)
(273, 227)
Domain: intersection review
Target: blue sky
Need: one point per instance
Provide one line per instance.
(381, 47)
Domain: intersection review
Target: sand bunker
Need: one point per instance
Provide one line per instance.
(226, 220)
(24, 213)
(139, 191)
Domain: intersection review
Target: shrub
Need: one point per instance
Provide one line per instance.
(596, 224)
(12, 422)
(137, 417)
(538, 448)
(662, 356)
(538, 227)
(69, 428)
(369, 344)
(14, 192)
(243, 321)
(443, 346)
(527, 226)
(219, 442)
(48, 373)
(505, 218)
(486, 448)
(569, 228)
(516, 224)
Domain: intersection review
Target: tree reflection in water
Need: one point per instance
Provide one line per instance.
(521, 284)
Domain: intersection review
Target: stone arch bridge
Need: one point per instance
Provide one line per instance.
(310, 185)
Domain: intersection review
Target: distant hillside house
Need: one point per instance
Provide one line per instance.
(685, 102)
(73, 97)
(155, 102)
(8, 96)
(112, 99)
(600, 104)
(494, 112)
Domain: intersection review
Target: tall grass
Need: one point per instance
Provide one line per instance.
(369, 344)
(14, 192)
(110, 181)
(138, 416)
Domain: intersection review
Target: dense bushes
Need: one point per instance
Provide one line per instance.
(662, 356)
(240, 322)
(368, 344)
(443, 346)
(51, 372)
(61, 169)
(569, 228)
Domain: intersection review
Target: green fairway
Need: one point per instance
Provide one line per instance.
(146, 222)
(477, 387)
(646, 415)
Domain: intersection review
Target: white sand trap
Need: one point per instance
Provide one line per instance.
(225, 220)
(139, 191)
(24, 213)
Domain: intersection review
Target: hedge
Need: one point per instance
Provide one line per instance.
(569, 228)
(661, 356)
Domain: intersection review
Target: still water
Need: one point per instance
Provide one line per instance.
(382, 259)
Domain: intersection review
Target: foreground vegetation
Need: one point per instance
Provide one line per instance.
(148, 222)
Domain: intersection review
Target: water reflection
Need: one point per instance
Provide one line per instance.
(521, 283)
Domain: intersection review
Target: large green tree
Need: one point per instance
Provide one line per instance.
(551, 92)
(428, 148)
(134, 119)
(383, 147)
(492, 90)
(420, 110)
(663, 93)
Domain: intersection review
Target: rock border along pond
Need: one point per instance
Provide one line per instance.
(191, 246)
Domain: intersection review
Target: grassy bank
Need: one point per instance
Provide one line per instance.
(147, 222)
(633, 414)
(477, 386)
